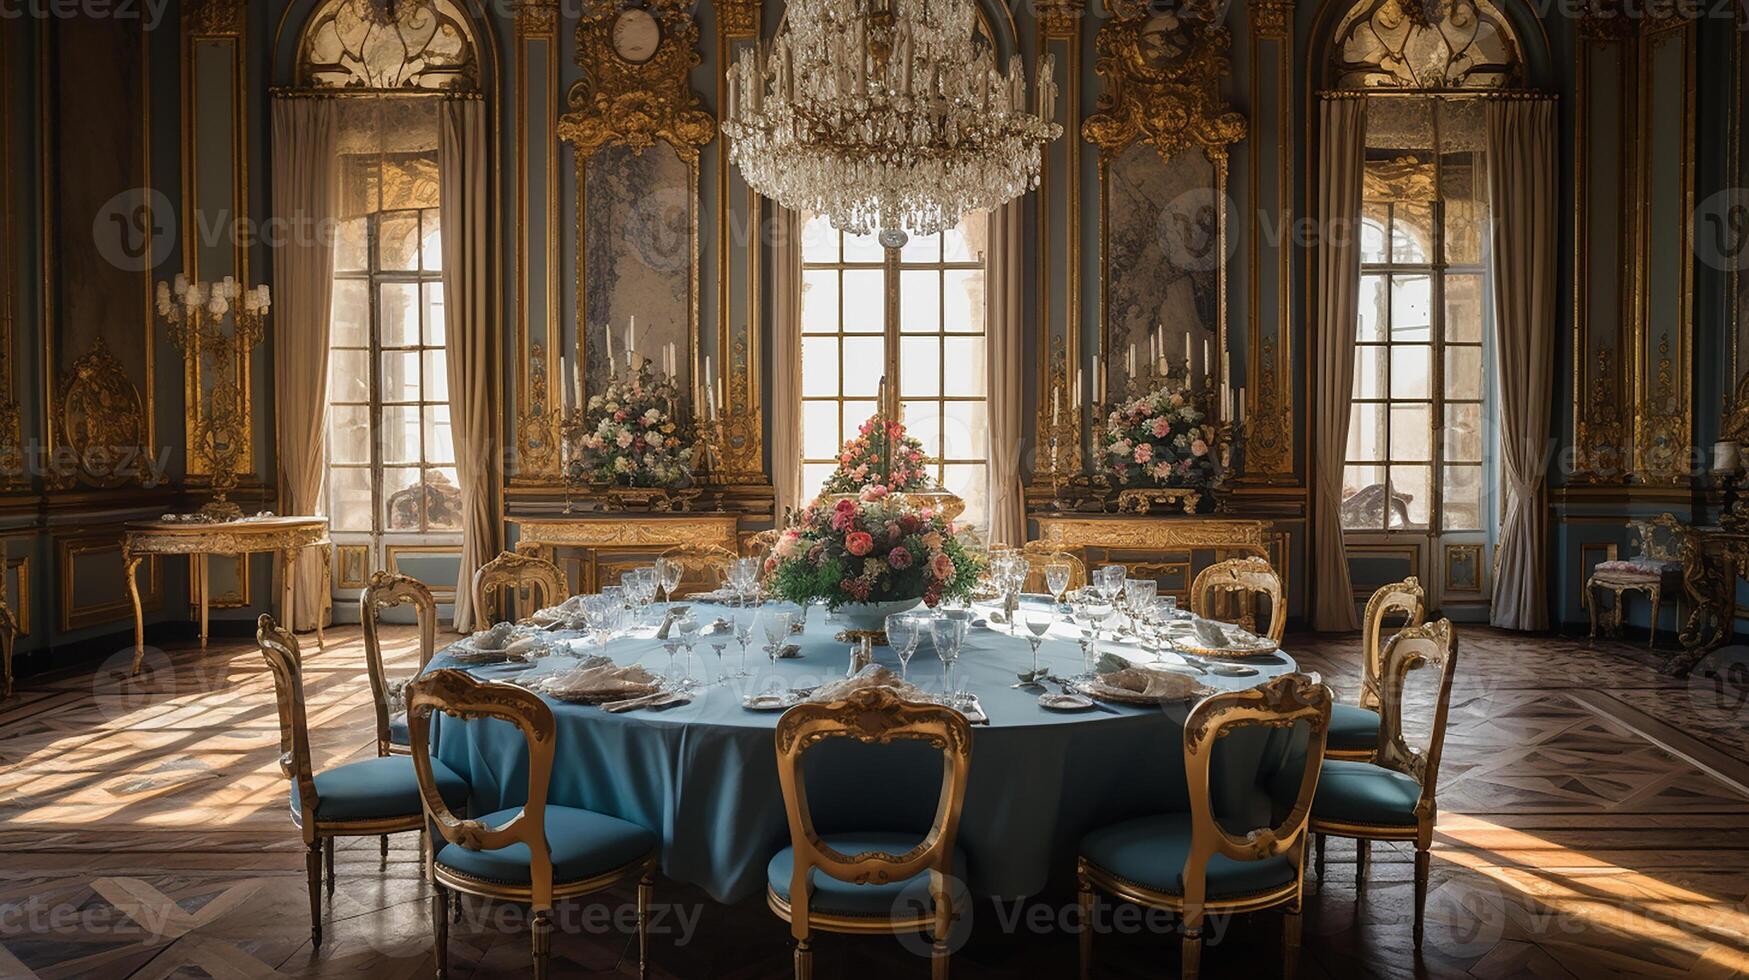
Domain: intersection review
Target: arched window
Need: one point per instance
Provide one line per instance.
(389, 64)
(1420, 437)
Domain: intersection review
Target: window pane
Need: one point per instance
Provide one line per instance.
(820, 430)
(1411, 372)
(1411, 433)
(349, 498)
(350, 314)
(1461, 505)
(819, 240)
(923, 420)
(855, 413)
(431, 242)
(814, 476)
(820, 366)
(349, 376)
(964, 357)
(963, 293)
(1371, 371)
(439, 440)
(434, 332)
(1375, 223)
(1412, 232)
(398, 313)
(1463, 433)
(402, 490)
(965, 430)
(1375, 309)
(1416, 484)
(398, 241)
(1465, 207)
(956, 242)
(865, 300)
(863, 248)
(352, 245)
(1411, 308)
(919, 366)
(1463, 372)
(969, 483)
(1463, 308)
(400, 376)
(349, 434)
(820, 301)
(436, 375)
(443, 500)
(919, 301)
(1363, 489)
(1366, 432)
(921, 248)
(399, 431)
(864, 360)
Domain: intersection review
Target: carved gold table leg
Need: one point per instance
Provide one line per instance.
(130, 566)
(206, 570)
(288, 589)
(327, 590)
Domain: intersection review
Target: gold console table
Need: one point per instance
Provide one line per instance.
(1170, 549)
(615, 542)
(285, 536)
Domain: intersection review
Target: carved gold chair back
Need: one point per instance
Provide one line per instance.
(1240, 580)
(1406, 599)
(1430, 647)
(517, 572)
(286, 663)
(387, 591)
(872, 715)
(1039, 554)
(702, 566)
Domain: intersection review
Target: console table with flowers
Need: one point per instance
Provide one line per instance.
(1169, 549)
(606, 543)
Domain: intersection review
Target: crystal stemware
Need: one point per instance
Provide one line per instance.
(743, 636)
(948, 633)
(904, 630)
(1057, 579)
(776, 628)
(668, 573)
(687, 626)
(1037, 622)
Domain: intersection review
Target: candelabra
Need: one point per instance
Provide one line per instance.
(195, 313)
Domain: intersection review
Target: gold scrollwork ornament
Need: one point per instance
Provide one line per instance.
(637, 104)
(1162, 75)
(102, 419)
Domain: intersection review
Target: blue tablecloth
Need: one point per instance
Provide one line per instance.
(704, 775)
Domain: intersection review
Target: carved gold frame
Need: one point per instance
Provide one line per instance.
(386, 591)
(1059, 432)
(1176, 108)
(1271, 446)
(538, 375)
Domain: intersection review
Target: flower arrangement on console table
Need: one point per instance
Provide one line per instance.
(632, 434)
(1163, 444)
(882, 454)
(869, 556)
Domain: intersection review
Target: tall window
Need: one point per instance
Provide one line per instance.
(914, 315)
(1416, 437)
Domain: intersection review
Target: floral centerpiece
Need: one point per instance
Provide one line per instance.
(1165, 438)
(632, 435)
(881, 454)
(871, 555)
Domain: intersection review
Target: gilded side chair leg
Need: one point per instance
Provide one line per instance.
(313, 871)
(328, 859)
(1422, 859)
(1084, 902)
(1192, 952)
(646, 885)
(383, 850)
(1657, 598)
(1290, 941)
(1362, 854)
(1589, 599)
(542, 930)
(938, 952)
(804, 960)
(440, 929)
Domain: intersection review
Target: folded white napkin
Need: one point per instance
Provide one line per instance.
(595, 683)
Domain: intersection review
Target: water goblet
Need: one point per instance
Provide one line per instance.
(1037, 622)
(743, 578)
(948, 633)
(1108, 581)
(687, 626)
(776, 628)
(743, 636)
(668, 574)
(1057, 579)
(904, 630)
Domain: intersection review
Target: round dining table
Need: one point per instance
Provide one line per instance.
(703, 775)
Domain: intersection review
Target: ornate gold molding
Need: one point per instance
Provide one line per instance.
(11, 434)
(635, 105)
(738, 436)
(214, 18)
(1172, 103)
(537, 17)
(738, 18)
(1600, 435)
(1061, 19)
(102, 420)
(1269, 433)
(1059, 422)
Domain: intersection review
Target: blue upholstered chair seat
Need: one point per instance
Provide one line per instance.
(375, 789)
(583, 844)
(1362, 793)
(844, 898)
(398, 730)
(1352, 728)
(1150, 851)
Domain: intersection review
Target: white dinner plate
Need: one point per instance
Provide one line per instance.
(1065, 702)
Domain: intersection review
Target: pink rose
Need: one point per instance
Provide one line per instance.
(1199, 448)
(770, 565)
(942, 566)
(625, 440)
(858, 543)
(899, 557)
(873, 492)
(932, 541)
(1144, 452)
(1160, 427)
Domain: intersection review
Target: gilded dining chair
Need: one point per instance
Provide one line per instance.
(1392, 797)
(1354, 728)
(1189, 863)
(535, 854)
(702, 566)
(387, 591)
(517, 572)
(1240, 579)
(853, 882)
(8, 640)
(367, 798)
(1039, 554)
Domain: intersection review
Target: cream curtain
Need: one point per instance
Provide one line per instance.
(1004, 275)
(464, 191)
(305, 200)
(1522, 150)
(786, 358)
(1343, 149)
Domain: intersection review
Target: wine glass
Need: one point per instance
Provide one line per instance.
(1109, 581)
(687, 626)
(1038, 622)
(1057, 579)
(948, 633)
(604, 617)
(743, 636)
(776, 627)
(668, 573)
(904, 630)
(1138, 596)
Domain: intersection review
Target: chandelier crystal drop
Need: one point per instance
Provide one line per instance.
(887, 115)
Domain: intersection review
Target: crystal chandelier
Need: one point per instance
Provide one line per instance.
(886, 115)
